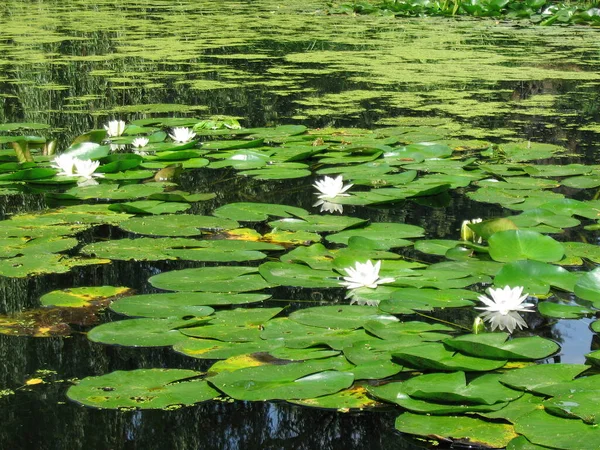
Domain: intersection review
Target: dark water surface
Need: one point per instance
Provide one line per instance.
(74, 65)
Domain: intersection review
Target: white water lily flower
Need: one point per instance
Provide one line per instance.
(65, 163)
(332, 187)
(115, 128)
(182, 134)
(140, 142)
(85, 168)
(364, 275)
(467, 234)
(507, 322)
(330, 207)
(501, 309)
(117, 147)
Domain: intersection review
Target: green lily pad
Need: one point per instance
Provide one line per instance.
(36, 264)
(109, 191)
(558, 311)
(290, 381)
(237, 325)
(177, 225)
(145, 332)
(395, 393)
(541, 375)
(580, 405)
(150, 207)
(355, 397)
(143, 389)
(81, 296)
(437, 357)
(409, 300)
(497, 346)
(257, 212)
(341, 317)
(475, 431)
(178, 304)
(587, 286)
(298, 275)
(301, 336)
(317, 223)
(387, 235)
(535, 277)
(211, 279)
(567, 434)
(514, 245)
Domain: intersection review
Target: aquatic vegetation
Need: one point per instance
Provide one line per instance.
(115, 128)
(182, 134)
(502, 308)
(540, 12)
(65, 163)
(411, 298)
(364, 275)
(140, 142)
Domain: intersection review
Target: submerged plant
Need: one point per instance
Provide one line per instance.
(501, 309)
(182, 134)
(115, 128)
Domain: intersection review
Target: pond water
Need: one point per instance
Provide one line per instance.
(76, 65)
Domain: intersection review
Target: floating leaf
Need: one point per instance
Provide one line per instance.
(257, 212)
(144, 332)
(437, 357)
(541, 375)
(298, 275)
(475, 431)
(535, 277)
(81, 296)
(290, 381)
(143, 389)
(211, 279)
(567, 434)
(177, 225)
(387, 235)
(179, 304)
(408, 300)
(496, 346)
(587, 286)
(514, 245)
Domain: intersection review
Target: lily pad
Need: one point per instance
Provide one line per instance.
(81, 296)
(211, 279)
(290, 381)
(178, 304)
(475, 431)
(143, 389)
(177, 225)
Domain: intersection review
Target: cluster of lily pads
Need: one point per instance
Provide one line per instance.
(392, 339)
(542, 12)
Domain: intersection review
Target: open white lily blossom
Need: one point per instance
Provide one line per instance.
(140, 142)
(182, 134)
(65, 163)
(467, 234)
(502, 309)
(364, 275)
(330, 207)
(85, 168)
(331, 187)
(115, 128)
